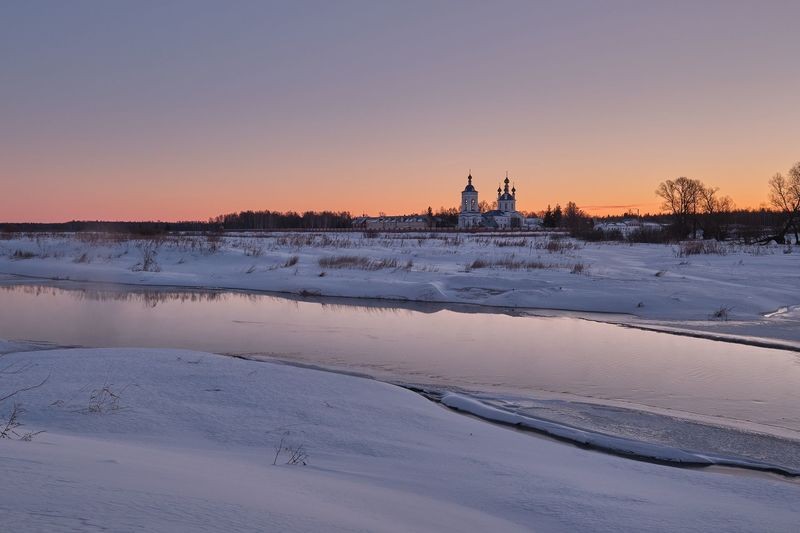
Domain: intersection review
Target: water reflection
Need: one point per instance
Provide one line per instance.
(430, 344)
(151, 297)
(148, 297)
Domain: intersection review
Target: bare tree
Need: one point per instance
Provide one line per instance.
(716, 210)
(784, 195)
(681, 197)
(484, 206)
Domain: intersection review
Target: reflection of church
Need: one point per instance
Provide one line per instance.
(505, 216)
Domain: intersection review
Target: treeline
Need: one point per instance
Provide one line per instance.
(690, 208)
(135, 228)
(244, 220)
(695, 206)
(715, 220)
(748, 225)
(259, 220)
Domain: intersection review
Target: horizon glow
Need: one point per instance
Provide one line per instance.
(189, 109)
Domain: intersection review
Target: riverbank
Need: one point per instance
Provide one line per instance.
(186, 441)
(719, 289)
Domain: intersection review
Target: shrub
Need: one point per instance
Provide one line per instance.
(722, 313)
(502, 243)
(589, 235)
(103, 400)
(559, 245)
(22, 254)
(10, 428)
(649, 236)
(687, 248)
(509, 263)
(149, 251)
(213, 241)
(353, 261)
(253, 250)
(343, 261)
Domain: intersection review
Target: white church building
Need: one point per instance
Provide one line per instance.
(505, 216)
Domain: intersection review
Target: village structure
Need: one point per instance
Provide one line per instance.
(503, 216)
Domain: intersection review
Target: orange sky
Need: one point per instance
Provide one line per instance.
(186, 110)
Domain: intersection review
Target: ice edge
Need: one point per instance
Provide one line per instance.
(608, 443)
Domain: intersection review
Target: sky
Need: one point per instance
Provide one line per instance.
(188, 109)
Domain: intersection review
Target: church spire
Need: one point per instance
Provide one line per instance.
(470, 188)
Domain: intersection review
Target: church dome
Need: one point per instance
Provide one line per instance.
(469, 187)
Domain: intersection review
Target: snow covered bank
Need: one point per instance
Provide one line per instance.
(601, 441)
(739, 285)
(187, 442)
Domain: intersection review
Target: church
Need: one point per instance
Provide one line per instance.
(505, 216)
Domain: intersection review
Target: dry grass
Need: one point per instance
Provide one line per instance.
(22, 254)
(253, 249)
(509, 263)
(688, 248)
(556, 245)
(357, 262)
(502, 242)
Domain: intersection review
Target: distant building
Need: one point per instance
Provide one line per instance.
(470, 215)
(505, 216)
(627, 226)
(533, 223)
(392, 223)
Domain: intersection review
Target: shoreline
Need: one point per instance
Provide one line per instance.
(197, 432)
(692, 328)
(473, 404)
(470, 406)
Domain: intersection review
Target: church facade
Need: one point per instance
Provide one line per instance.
(504, 217)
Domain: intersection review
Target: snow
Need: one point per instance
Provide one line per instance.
(190, 444)
(7, 346)
(603, 441)
(645, 284)
(21, 346)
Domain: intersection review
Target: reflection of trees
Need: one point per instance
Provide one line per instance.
(153, 296)
(369, 309)
(148, 296)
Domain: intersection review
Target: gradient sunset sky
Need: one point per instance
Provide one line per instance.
(185, 110)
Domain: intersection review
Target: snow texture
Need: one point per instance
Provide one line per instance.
(189, 441)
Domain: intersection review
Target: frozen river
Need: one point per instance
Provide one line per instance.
(687, 392)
